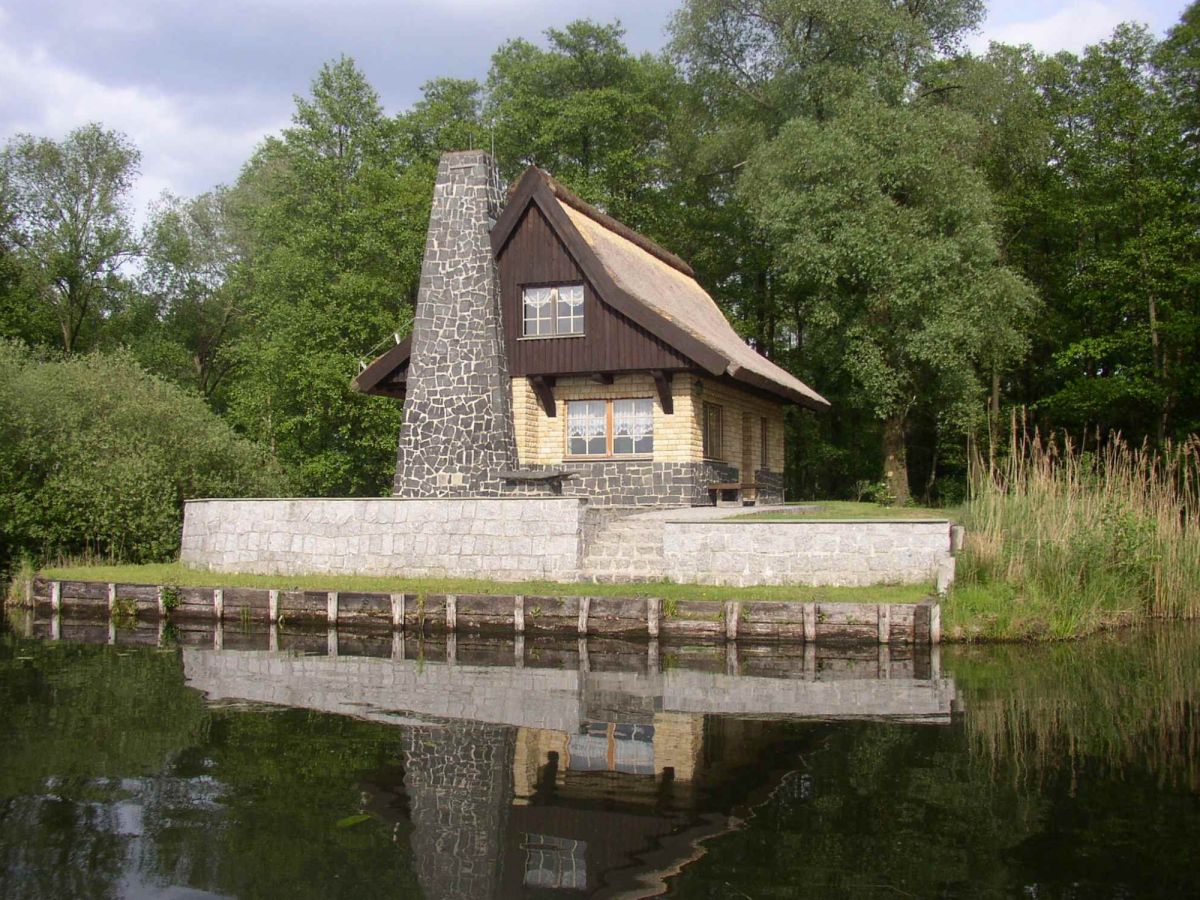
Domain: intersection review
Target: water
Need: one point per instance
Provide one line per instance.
(144, 762)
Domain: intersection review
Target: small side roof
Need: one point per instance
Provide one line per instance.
(384, 371)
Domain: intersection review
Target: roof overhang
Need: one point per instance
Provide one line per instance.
(384, 376)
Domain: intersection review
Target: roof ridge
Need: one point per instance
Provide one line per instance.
(563, 193)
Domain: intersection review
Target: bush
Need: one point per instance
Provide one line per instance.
(97, 457)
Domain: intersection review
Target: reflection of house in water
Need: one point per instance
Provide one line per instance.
(612, 810)
(524, 781)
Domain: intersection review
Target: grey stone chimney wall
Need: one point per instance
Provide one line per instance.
(458, 429)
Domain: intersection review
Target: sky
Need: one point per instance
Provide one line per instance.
(196, 85)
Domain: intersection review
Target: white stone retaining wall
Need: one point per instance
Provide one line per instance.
(814, 552)
(499, 539)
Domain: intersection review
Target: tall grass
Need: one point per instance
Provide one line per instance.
(1076, 539)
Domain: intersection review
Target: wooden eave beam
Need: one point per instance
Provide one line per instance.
(543, 389)
(662, 381)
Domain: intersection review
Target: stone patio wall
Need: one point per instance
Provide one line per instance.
(815, 552)
(497, 538)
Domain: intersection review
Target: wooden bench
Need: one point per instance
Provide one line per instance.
(733, 493)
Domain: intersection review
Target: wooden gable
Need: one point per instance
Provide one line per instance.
(534, 255)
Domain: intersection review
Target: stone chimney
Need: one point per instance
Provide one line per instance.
(458, 432)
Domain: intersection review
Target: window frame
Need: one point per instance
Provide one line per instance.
(554, 287)
(609, 431)
(764, 455)
(707, 449)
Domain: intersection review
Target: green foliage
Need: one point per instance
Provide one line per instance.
(589, 112)
(97, 456)
(171, 597)
(197, 291)
(66, 222)
(336, 229)
(418, 588)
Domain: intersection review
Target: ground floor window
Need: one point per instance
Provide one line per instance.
(610, 427)
(713, 426)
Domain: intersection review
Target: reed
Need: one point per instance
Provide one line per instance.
(1074, 539)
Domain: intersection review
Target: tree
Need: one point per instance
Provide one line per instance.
(447, 117)
(97, 456)
(886, 230)
(68, 221)
(192, 251)
(1123, 357)
(881, 259)
(588, 111)
(1005, 92)
(336, 227)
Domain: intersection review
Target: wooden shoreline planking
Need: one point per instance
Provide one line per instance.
(703, 620)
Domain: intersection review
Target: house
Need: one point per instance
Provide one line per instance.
(556, 350)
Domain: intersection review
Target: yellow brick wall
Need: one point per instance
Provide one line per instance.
(678, 437)
(737, 406)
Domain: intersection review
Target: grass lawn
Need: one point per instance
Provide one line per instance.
(181, 576)
(848, 509)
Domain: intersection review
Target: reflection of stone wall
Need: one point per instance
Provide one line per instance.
(458, 779)
(552, 698)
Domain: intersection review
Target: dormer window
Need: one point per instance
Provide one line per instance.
(553, 311)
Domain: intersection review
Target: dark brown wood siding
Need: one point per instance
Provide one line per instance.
(610, 343)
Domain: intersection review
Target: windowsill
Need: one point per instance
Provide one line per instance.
(549, 337)
(624, 457)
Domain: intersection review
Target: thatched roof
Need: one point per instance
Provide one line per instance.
(679, 298)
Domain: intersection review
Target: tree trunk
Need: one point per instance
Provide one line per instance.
(895, 459)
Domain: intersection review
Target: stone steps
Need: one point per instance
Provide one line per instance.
(625, 550)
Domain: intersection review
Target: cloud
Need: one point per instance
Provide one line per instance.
(197, 85)
(1072, 26)
(186, 145)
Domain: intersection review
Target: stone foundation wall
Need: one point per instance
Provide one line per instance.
(515, 539)
(644, 483)
(770, 487)
(812, 552)
(499, 539)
